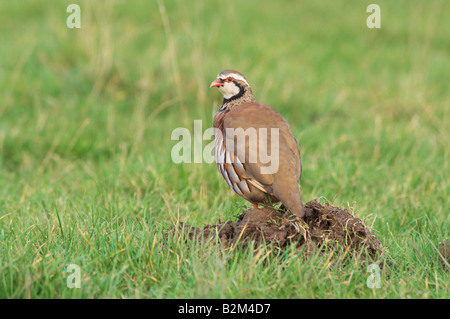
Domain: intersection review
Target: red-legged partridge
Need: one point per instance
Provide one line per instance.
(255, 150)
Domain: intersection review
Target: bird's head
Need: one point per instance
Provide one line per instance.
(231, 84)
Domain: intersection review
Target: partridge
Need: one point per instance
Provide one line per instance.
(245, 133)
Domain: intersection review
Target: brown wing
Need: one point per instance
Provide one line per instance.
(246, 120)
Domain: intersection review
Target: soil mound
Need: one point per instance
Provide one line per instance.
(324, 227)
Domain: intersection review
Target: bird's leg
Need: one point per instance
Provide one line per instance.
(255, 205)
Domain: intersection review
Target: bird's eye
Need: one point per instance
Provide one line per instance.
(230, 79)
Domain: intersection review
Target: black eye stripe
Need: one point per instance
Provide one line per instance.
(229, 80)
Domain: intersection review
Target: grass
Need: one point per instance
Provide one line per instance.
(86, 118)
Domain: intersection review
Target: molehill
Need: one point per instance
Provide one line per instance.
(324, 227)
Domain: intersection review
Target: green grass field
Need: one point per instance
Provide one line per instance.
(86, 116)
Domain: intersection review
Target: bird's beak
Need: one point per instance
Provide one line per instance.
(216, 83)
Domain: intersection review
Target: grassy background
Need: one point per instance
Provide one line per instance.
(86, 116)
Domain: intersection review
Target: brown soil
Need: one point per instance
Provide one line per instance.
(324, 227)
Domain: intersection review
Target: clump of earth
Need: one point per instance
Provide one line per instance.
(323, 227)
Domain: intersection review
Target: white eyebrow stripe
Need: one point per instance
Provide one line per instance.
(237, 77)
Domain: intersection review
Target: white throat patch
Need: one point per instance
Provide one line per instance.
(229, 89)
